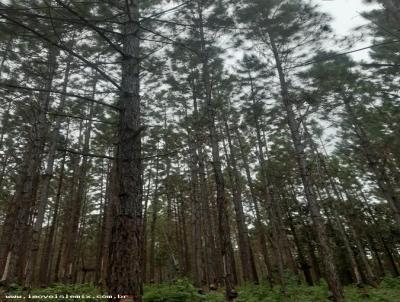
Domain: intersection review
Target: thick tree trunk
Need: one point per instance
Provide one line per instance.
(125, 266)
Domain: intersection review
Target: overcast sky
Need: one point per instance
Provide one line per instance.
(346, 17)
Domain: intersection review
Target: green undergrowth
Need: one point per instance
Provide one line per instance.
(183, 291)
(388, 291)
(179, 291)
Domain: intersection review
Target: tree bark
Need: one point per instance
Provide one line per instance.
(125, 266)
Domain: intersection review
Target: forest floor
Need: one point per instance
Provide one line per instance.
(183, 291)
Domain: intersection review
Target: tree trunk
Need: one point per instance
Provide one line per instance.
(125, 266)
(246, 252)
(261, 230)
(377, 234)
(305, 267)
(47, 258)
(221, 200)
(196, 211)
(6, 53)
(304, 169)
(70, 254)
(338, 223)
(105, 229)
(211, 259)
(153, 224)
(337, 219)
(368, 272)
(144, 234)
(17, 220)
(269, 197)
(67, 210)
(45, 187)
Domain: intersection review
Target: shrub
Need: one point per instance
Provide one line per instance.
(179, 291)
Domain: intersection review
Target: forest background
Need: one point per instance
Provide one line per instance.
(216, 144)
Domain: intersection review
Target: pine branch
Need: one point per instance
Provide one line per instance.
(13, 86)
(169, 39)
(86, 154)
(328, 58)
(93, 27)
(165, 11)
(60, 114)
(62, 47)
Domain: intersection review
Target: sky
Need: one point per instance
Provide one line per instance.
(346, 16)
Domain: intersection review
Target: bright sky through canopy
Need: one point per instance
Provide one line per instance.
(346, 16)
